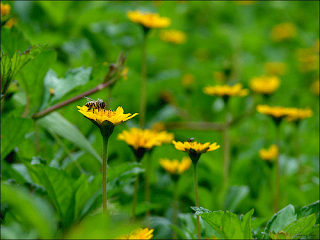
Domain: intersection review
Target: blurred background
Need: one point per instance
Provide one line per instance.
(226, 42)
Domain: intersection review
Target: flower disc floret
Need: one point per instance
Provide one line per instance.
(265, 84)
(148, 20)
(174, 166)
(226, 90)
(100, 115)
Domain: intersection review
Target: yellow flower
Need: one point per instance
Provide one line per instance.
(100, 115)
(139, 138)
(283, 31)
(277, 113)
(269, 154)
(225, 90)
(11, 22)
(273, 111)
(5, 9)
(195, 149)
(139, 233)
(308, 59)
(265, 84)
(275, 68)
(148, 20)
(315, 87)
(144, 140)
(175, 167)
(52, 91)
(173, 36)
(297, 114)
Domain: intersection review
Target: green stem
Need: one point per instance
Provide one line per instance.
(226, 148)
(277, 193)
(195, 174)
(175, 208)
(104, 171)
(147, 185)
(134, 202)
(143, 94)
(300, 170)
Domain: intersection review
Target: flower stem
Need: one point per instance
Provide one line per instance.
(226, 154)
(175, 208)
(147, 185)
(134, 202)
(195, 174)
(143, 81)
(277, 193)
(104, 171)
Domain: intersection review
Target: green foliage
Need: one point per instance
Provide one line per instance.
(13, 131)
(227, 224)
(51, 166)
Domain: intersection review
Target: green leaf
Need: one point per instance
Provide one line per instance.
(246, 224)
(315, 232)
(35, 212)
(281, 219)
(59, 187)
(13, 130)
(61, 86)
(234, 196)
(301, 227)
(11, 67)
(31, 78)
(59, 125)
(308, 210)
(231, 226)
(13, 40)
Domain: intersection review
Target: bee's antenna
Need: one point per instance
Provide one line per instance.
(89, 98)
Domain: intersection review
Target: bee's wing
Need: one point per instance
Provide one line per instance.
(89, 98)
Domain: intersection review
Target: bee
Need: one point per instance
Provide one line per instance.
(92, 104)
(190, 139)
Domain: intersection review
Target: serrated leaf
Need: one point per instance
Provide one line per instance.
(231, 226)
(234, 196)
(301, 227)
(59, 125)
(308, 210)
(13, 130)
(36, 213)
(281, 219)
